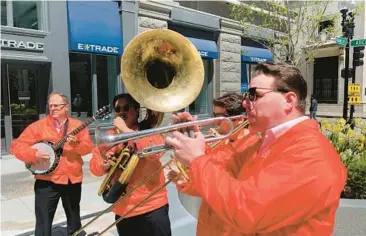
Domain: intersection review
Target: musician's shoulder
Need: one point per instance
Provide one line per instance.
(75, 121)
(39, 122)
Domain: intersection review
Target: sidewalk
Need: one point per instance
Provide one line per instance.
(18, 215)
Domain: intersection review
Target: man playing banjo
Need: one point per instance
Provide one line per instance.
(65, 181)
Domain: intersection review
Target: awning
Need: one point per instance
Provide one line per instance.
(94, 27)
(255, 55)
(206, 48)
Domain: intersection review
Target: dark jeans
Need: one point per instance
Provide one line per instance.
(47, 195)
(313, 115)
(153, 223)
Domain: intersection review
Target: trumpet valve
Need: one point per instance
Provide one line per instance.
(112, 163)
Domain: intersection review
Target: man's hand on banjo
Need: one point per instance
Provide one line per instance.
(71, 139)
(42, 157)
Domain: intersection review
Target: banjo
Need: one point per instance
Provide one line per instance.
(55, 149)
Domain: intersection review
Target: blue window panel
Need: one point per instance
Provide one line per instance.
(244, 78)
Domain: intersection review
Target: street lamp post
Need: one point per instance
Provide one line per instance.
(347, 29)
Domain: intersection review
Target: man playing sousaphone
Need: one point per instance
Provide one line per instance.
(151, 218)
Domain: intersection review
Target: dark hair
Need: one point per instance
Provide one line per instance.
(288, 78)
(129, 99)
(232, 102)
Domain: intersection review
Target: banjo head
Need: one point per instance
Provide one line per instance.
(40, 168)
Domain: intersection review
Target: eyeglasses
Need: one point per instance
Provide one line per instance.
(124, 108)
(56, 105)
(220, 114)
(253, 96)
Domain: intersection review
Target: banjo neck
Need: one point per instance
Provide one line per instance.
(60, 143)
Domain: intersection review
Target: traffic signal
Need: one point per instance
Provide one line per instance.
(358, 56)
(351, 73)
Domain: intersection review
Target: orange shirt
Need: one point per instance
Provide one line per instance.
(292, 187)
(206, 216)
(70, 166)
(144, 169)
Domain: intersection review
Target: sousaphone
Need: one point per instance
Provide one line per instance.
(163, 71)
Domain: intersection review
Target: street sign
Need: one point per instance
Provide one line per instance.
(358, 42)
(354, 89)
(354, 100)
(341, 41)
(354, 94)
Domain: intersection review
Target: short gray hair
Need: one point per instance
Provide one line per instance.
(63, 96)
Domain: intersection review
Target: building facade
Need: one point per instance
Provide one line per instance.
(75, 47)
(34, 61)
(324, 74)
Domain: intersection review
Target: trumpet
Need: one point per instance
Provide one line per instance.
(110, 140)
(115, 139)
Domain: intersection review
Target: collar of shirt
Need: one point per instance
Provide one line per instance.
(59, 125)
(272, 134)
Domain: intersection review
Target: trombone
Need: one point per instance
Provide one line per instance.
(115, 139)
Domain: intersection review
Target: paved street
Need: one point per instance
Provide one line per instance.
(17, 202)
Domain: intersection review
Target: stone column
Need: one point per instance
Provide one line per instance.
(153, 16)
(229, 64)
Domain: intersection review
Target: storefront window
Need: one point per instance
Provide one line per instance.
(80, 79)
(4, 20)
(93, 83)
(26, 14)
(202, 103)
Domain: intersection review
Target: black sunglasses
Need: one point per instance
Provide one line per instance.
(252, 93)
(124, 108)
(219, 115)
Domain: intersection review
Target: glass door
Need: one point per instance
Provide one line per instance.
(19, 100)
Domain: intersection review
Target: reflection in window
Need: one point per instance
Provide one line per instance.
(4, 14)
(80, 79)
(25, 14)
(201, 105)
(23, 98)
(84, 76)
(107, 70)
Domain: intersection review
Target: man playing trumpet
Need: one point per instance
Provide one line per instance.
(288, 182)
(151, 218)
(229, 104)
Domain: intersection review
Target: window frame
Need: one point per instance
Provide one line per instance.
(42, 13)
(321, 77)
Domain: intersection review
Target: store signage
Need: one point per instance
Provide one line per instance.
(255, 55)
(203, 53)
(97, 48)
(21, 45)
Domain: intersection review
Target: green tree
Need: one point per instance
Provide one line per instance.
(298, 26)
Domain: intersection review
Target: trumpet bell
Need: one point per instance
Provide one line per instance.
(157, 66)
